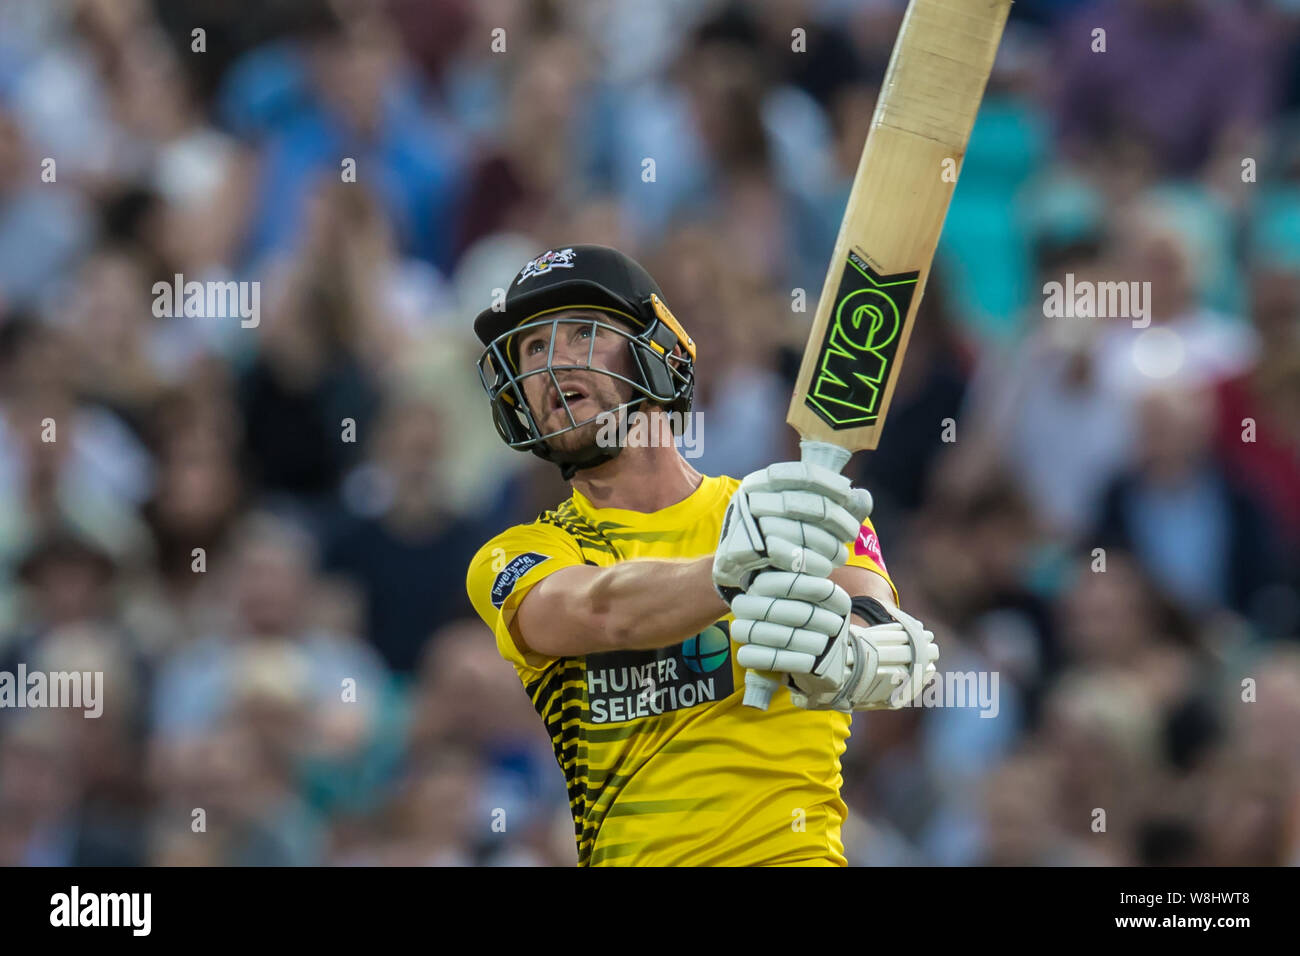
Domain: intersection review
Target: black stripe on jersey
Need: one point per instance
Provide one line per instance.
(649, 725)
(591, 792)
(558, 705)
(607, 794)
(567, 519)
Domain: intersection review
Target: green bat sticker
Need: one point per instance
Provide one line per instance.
(856, 357)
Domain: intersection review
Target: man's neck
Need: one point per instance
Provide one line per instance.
(639, 479)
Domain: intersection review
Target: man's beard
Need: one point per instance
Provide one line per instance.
(581, 442)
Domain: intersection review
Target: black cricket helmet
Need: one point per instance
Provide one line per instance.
(594, 278)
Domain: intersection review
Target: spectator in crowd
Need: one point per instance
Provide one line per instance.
(43, 227)
(399, 539)
(1258, 410)
(1205, 541)
(1044, 408)
(272, 598)
(1176, 78)
(350, 94)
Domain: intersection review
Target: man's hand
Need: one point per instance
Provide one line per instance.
(790, 516)
(798, 624)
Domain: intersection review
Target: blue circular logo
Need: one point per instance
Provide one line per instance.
(707, 650)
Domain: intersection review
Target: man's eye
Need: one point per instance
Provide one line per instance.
(533, 347)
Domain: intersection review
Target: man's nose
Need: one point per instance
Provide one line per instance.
(568, 351)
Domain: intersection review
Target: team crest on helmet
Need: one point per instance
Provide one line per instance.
(551, 259)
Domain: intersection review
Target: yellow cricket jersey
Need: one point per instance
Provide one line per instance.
(664, 766)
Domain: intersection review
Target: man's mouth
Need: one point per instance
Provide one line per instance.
(569, 395)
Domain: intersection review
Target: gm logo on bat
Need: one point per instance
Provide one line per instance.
(862, 337)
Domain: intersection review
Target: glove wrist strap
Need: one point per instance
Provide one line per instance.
(871, 610)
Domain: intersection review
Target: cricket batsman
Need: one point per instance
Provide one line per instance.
(631, 611)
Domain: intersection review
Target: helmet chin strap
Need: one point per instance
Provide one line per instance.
(569, 467)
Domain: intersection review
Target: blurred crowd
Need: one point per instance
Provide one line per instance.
(259, 532)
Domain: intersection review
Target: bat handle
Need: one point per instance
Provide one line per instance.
(761, 685)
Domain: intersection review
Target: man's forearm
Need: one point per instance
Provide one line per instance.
(651, 602)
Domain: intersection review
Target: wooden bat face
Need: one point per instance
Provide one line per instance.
(901, 191)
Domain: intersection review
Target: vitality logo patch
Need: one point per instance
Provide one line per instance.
(505, 581)
(868, 544)
(627, 685)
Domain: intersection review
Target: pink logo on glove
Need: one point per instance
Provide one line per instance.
(868, 544)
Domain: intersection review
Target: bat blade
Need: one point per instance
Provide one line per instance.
(928, 101)
(899, 199)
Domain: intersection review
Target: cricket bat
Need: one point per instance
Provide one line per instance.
(905, 178)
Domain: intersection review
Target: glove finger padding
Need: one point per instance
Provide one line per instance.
(859, 505)
(821, 591)
(792, 517)
(809, 508)
(788, 556)
(778, 637)
(800, 476)
(816, 479)
(760, 657)
(798, 614)
(805, 536)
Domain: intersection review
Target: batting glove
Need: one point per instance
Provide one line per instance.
(790, 516)
(798, 624)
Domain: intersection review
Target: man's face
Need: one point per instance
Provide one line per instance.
(587, 392)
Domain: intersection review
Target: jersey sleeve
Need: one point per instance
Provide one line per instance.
(503, 572)
(865, 552)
